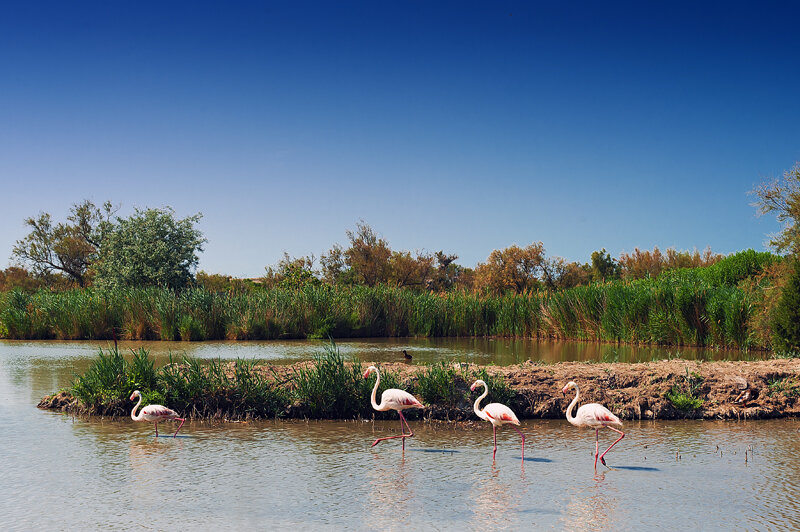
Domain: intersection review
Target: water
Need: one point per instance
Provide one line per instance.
(61, 473)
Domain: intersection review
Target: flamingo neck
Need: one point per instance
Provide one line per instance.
(133, 412)
(375, 405)
(570, 417)
(478, 412)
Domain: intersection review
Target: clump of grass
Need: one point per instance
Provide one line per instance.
(105, 385)
(683, 396)
(785, 385)
(441, 383)
(330, 388)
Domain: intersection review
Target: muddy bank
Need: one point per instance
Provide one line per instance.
(669, 389)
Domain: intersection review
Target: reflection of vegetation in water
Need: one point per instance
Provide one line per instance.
(683, 396)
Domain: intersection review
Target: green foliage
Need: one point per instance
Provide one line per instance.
(331, 388)
(683, 396)
(680, 307)
(441, 383)
(69, 247)
(151, 248)
(782, 197)
(105, 383)
(604, 268)
(785, 385)
(786, 322)
(217, 388)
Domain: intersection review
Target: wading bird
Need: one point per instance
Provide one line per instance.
(154, 413)
(497, 414)
(393, 399)
(594, 416)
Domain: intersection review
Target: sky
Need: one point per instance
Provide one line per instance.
(455, 126)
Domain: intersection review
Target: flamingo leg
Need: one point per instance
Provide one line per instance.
(401, 435)
(495, 441)
(156, 424)
(596, 446)
(603, 460)
(523, 441)
(182, 420)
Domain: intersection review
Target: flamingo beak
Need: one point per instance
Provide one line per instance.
(472, 388)
(366, 374)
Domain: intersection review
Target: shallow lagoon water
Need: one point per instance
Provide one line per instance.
(89, 473)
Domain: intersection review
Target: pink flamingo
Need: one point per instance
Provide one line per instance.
(594, 416)
(497, 414)
(154, 413)
(393, 399)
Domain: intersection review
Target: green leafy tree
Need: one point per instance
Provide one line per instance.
(68, 248)
(604, 268)
(447, 272)
(151, 247)
(787, 313)
(782, 197)
(292, 273)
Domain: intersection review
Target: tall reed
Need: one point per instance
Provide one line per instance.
(701, 306)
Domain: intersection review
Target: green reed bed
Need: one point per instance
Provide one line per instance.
(703, 306)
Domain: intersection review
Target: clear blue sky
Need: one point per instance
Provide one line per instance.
(464, 126)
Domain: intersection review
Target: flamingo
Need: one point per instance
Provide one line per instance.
(154, 413)
(393, 399)
(595, 416)
(497, 414)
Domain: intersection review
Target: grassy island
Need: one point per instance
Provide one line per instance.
(329, 387)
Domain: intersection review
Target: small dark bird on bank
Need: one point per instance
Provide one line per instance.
(406, 355)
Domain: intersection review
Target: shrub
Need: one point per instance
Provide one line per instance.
(787, 314)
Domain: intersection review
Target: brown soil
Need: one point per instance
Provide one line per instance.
(728, 390)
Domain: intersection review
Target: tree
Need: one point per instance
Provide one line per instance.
(786, 322)
(16, 277)
(783, 198)
(407, 271)
(365, 262)
(368, 256)
(151, 248)
(604, 268)
(559, 274)
(292, 273)
(447, 272)
(69, 247)
(334, 266)
(514, 268)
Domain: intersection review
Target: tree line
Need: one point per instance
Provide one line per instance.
(154, 248)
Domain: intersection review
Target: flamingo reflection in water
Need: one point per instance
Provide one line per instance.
(393, 399)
